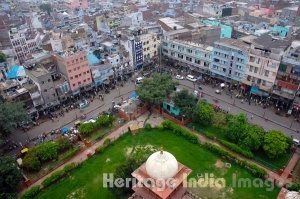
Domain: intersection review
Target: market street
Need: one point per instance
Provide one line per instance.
(287, 125)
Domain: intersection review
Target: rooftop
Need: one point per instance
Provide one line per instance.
(235, 43)
(269, 42)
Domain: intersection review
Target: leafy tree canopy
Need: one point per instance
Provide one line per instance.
(10, 176)
(275, 143)
(154, 90)
(11, 113)
(186, 102)
(205, 113)
(2, 57)
(236, 127)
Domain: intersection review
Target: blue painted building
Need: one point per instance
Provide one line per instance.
(226, 30)
(281, 31)
(229, 59)
(101, 73)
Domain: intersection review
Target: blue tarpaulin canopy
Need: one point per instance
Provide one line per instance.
(255, 90)
(64, 130)
(133, 95)
(15, 72)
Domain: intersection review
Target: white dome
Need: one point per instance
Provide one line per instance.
(292, 195)
(161, 165)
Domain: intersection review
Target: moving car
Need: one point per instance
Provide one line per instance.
(179, 77)
(218, 91)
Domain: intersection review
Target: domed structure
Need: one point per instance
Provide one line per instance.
(292, 195)
(161, 165)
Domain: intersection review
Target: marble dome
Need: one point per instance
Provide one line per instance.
(161, 165)
(292, 195)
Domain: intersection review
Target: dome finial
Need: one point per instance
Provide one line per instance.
(161, 149)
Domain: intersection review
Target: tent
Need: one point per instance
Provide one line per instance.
(133, 95)
(15, 72)
(64, 130)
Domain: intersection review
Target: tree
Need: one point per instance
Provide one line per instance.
(45, 151)
(10, 177)
(253, 137)
(46, 8)
(205, 113)
(2, 57)
(86, 129)
(275, 143)
(186, 102)
(11, 114)
(156, 89)
(219, 120)
(236, 127)
(63, 143)
(31, 163)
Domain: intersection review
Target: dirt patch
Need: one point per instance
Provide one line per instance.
(77, 194)
(219, 164)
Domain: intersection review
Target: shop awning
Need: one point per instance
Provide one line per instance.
(256, 91)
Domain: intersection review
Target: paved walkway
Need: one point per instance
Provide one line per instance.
(81, 157)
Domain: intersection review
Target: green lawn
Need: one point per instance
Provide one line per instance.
(273, 164)
(86, 181)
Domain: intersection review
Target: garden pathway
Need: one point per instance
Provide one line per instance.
(156, 120)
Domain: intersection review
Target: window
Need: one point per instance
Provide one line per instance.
(78, 67)
(84, 73)
(74, 85)
(87, 71)
(76, 76)
(84, 80)
(45, 90)
(71, 77)
(255, 69)
(251, 68)
(80, 75)
(266, 73)
(69, 71)
(79, 83)
(89, 79)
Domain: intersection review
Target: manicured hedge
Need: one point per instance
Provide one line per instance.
(32, 192)
(237, 149)
(176, 129)
(56, 176)
(252, 168)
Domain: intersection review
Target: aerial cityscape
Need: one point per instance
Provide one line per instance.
(150, 99)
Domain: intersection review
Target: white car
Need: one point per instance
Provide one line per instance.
(179, 77)
(218, 91)
(196, 93)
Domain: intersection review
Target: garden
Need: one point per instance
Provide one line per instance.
(86, 181)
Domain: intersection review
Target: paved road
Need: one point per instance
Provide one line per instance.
(92, 111)
(225, 102)
(287, 125)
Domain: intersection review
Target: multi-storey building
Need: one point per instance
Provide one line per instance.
(192, 55)
(229, 59)
(264, 59)
(38, 73)
(24, 42)
(287, 83)
(73, 64)
(151, 42)
(73, 4)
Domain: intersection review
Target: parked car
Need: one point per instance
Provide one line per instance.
(179, 77)
(191, 78)
(218, 91)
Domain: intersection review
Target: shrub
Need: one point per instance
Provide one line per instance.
(69, 167)
(64, 143)
(53, 178)
(31, 193)
(237, 149)
(176, 129)
(148, 127)
(45, 151)
(293, 187)
(104, 121)
(86, 129)
(31, 163)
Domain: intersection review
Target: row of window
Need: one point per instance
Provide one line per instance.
(79, 83)
(257, 80)
(79, 75)
(224, 70)
(83, 58)
(255, 70)
(77, 68)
